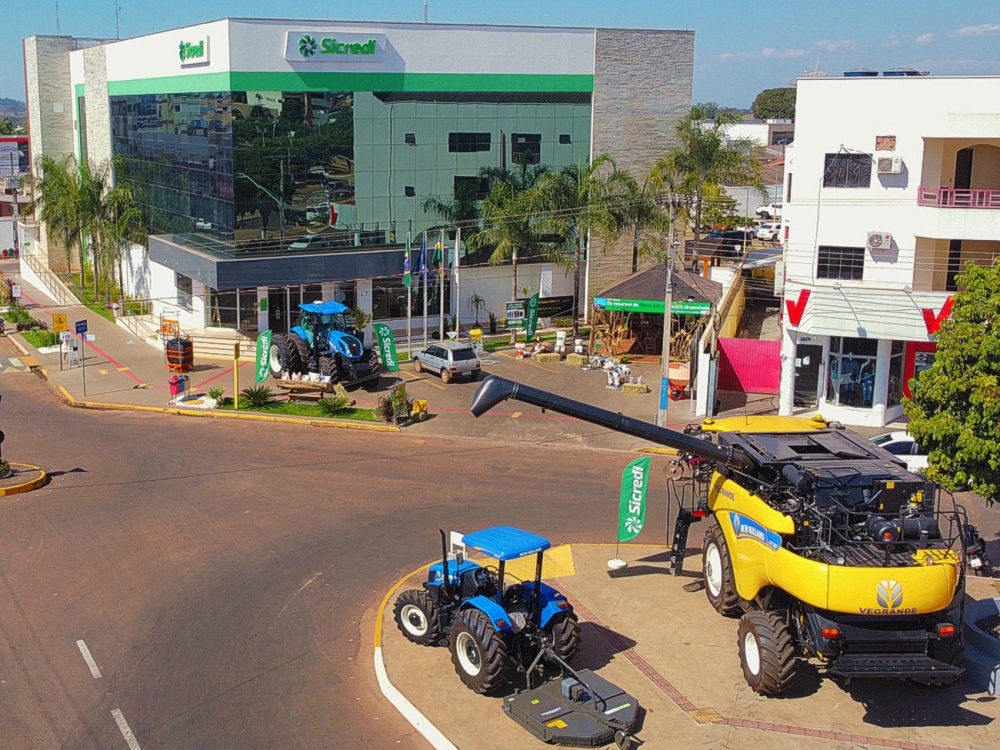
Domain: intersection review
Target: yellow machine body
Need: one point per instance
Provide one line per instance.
(754, 530)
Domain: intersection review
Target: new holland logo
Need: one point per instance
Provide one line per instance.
(889, 595)
(307, 46)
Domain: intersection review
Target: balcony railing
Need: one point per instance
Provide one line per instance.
(954, 198)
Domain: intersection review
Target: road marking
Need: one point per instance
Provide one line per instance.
(124, 369)
(126, 731)
(103, 372)
(87, 657)
(515, 415)
(423, 379)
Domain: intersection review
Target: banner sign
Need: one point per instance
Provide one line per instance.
(655, 307)
(532, 316)
(515, 315)
(555, 307)
(387, 346)
(632, 502)
(263, 355)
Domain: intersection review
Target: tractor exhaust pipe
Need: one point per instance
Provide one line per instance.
(446, 584)
(495, 389)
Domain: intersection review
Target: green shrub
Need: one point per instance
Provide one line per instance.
(563, 322)
(48, 338)
(331, 406)
(257, 396)
(216, 393)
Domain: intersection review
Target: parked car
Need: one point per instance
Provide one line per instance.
(903, 445)
(769, 211)
(448, 359)
(770, 231)
(312, 242)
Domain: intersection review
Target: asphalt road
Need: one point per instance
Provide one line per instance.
(219, 571)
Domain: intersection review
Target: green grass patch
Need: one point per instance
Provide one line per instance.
(290, 409)
(38, 338)
(86, 294)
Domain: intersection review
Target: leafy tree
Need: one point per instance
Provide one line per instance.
(720, 208)
(955, 409)
(774, 104)
(706, 159)
(7, 126)
(711, 109)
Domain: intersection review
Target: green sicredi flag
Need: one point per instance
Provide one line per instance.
(263, 355)
(632, 504)
(531, 324)
(386, 346)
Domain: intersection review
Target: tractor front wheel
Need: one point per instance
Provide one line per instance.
(479, 652)
(417, 617)
(328, 367)
(565, 632)
(767, 652)
(718, 570)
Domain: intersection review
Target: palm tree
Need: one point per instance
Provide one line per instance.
(571, 204)
(706, 157)
(122, 224)
(57, 203)
(635, 211)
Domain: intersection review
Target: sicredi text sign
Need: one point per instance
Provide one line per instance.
(194, 53)
(318, 46)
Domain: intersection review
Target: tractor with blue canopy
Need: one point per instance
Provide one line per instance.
(325, 342)
(495, 625)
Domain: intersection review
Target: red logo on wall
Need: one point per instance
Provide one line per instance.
(795, 309)
(932, 321)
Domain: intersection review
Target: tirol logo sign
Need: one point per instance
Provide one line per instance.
(193, 53)
(632, 501)
(311, 46)
(387, 346)
(889, 595)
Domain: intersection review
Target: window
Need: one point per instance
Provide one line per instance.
(525, 148)
(782, 137)
(851, 380)
(409, 191)
(565, 139)
(463, 143)
(847, 171)
(185, 291)
(389, 296)
(895, 394)
(471, 187)
(846, 263)
(900, 448)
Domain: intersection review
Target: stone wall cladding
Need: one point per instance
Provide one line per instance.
(95, 76)
(46, 65)
(642, 88)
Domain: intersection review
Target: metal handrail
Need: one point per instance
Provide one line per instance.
(53, 284)
(944, 197)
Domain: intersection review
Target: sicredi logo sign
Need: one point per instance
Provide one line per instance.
(193, 53)
(313, 46)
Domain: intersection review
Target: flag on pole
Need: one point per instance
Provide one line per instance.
(632, 502)
(436, 262)
(406, 263)
(423, 255)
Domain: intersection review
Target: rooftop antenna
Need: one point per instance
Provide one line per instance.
(57, 19)
(117, 27)
(425, 10)
(818, 52)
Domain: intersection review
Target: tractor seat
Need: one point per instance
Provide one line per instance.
(513, 597)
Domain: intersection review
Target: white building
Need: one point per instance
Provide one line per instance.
(891, 186)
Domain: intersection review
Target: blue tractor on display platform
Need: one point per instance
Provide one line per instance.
(327, 344)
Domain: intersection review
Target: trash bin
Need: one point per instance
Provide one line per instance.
(175, 387)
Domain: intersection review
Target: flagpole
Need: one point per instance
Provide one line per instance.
(409, 298)
(458, 287)
(423, 270)
(441, 283)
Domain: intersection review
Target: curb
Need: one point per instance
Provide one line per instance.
(400, 702)
(17, 345)
(335, 424)
(33, 484)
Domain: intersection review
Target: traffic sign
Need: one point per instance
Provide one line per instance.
(81, 326)
(59, 323)
(15, 291)
(65, 336)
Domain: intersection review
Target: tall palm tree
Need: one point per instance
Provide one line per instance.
(57, 203)
(704, 157)
(634, 211)
(122, 223)
(573, 203)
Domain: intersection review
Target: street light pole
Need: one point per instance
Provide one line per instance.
(661, 413)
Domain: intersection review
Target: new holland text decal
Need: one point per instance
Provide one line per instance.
(747, 528)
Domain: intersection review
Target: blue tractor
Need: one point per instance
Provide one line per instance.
(495, 625)
(326, 343)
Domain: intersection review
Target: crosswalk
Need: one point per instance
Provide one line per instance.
(17, 364)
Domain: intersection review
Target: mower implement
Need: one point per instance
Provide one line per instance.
(823, 543)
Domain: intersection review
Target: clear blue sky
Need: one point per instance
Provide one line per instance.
(742, 46)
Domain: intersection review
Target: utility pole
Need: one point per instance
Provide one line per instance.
(661, 412)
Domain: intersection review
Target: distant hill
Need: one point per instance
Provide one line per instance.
(11, 106)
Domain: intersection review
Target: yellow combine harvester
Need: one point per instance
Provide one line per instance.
(822, 543)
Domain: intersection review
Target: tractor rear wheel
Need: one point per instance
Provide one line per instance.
(283, 357)
(302, 349)
(767, 652)
(717, 567)
(479, 652)
(565, 632)
(950, 651)
(417, 617)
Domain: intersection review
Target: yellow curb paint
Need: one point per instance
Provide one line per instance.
(33, 484)
(335, 424)
(122, 369)
(515, 415)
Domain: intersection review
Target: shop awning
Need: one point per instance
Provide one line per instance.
(643, 292)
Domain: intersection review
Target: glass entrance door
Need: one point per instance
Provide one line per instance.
(808, 358)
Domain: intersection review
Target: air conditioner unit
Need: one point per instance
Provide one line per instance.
(890, 165)
(879, 241)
